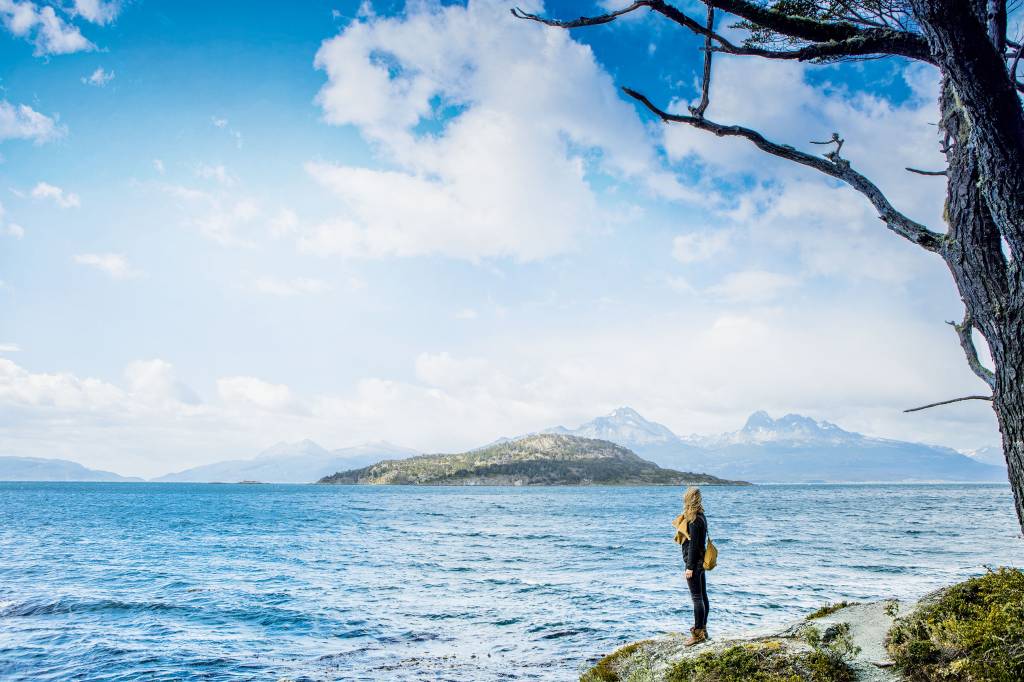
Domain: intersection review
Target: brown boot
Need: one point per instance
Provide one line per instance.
(698, 636)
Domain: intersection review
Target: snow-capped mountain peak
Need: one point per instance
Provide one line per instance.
(791, 428)
(623, 425)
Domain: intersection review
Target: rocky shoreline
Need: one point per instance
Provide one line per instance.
(863, 628)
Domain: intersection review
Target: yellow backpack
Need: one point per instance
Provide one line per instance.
(710, 555)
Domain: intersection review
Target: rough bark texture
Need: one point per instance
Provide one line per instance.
(984, 139)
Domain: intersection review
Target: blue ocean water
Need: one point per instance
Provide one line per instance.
(263, 582)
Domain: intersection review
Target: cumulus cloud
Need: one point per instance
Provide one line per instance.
(113, 264)
(155, 381)
(98, 11)
(859, 370)
(45, 190)
(491, 125)
(252, 392)
(98, 78)
(43, 27)
(22, 122)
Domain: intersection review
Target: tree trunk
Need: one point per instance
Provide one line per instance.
(983, 128)
(1008, 402)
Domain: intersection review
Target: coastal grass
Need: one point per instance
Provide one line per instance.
(829, 609)
(972, 632)
(771, 661)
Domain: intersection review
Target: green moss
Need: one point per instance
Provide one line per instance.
(769, 661)
(605, 669)
(830, 609)
(973, 632)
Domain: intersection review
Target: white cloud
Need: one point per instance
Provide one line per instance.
(158, 166)
(155, 381)
(98, 11)
(856, 366)
(220, 214)
(45, 190)
(783, 207)
(752, 286)
(114, 264)
(252, 392)
(466, 314)
(290, 287)
(517, 116)
(41, 25)
(22, 122)
(216, 172)
(285, 224)
(8, 228)
(98, 78)
(10, 348)
(699, 246)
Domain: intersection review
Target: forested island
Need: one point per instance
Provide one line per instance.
(543, 459)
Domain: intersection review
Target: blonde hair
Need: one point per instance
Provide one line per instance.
(693, 504)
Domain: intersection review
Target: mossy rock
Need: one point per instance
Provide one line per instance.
(765, 661)
(970, 632)
(607, 669)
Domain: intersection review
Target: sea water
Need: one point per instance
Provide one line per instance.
(149, 581)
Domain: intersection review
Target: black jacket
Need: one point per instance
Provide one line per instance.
(693, 549)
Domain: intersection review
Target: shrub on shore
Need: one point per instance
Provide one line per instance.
(972, 632)
(829, 609)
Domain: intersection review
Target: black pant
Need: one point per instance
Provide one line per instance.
(699, 591)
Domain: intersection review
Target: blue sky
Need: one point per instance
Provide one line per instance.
(229, 224)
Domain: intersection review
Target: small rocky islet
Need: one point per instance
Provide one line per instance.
(541, 459)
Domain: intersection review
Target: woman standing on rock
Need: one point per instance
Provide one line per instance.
(692, 533)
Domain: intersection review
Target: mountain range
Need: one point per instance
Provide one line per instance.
(301, 462)
(42, 469)
(540, 459)
(790, 449)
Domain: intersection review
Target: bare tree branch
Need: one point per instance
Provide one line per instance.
(705, 84)
(833, 41)
(964, 331)
(924, 172)
(1016, 61)
(832, 165)
(582, 21)
(947, 402)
